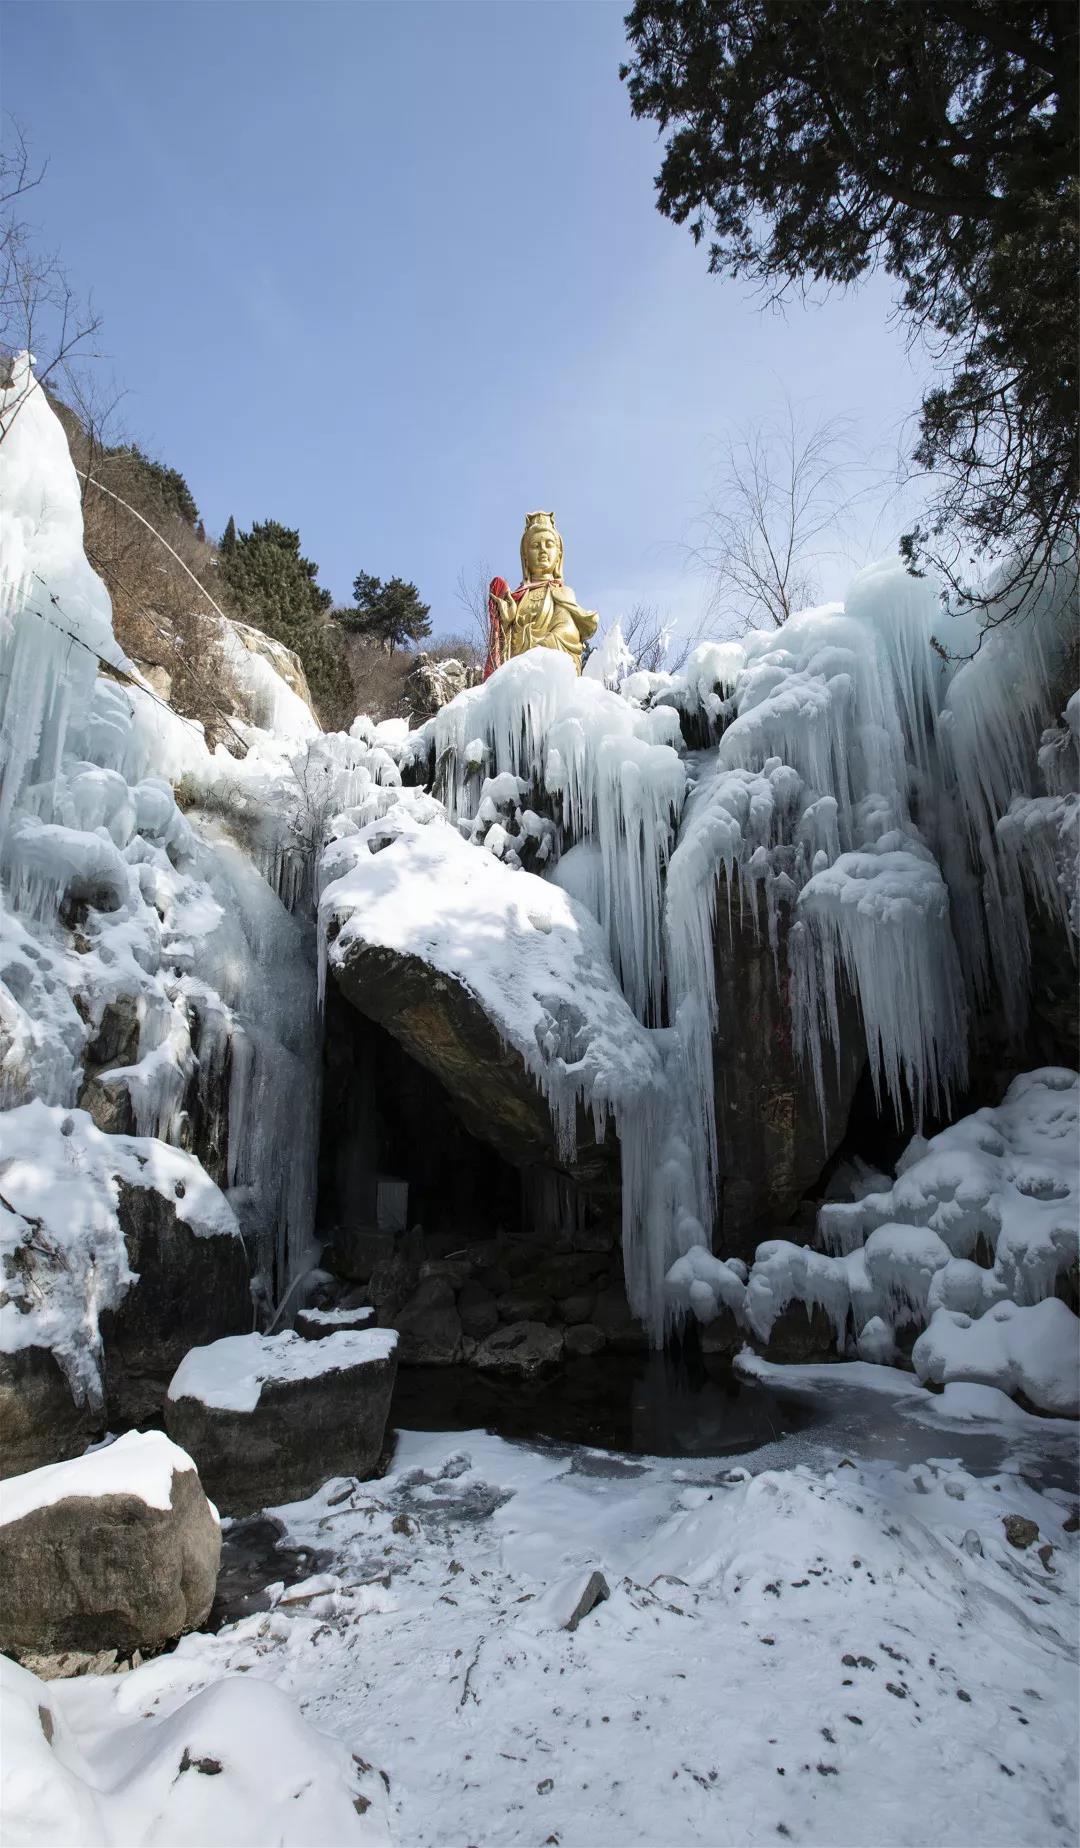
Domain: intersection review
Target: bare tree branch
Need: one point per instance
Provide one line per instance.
(781, 503)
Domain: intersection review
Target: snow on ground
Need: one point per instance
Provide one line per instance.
(234, 1765)
(821, 1645)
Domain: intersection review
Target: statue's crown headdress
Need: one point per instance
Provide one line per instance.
(532, 521)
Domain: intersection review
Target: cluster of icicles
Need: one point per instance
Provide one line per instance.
(181, 955)
(829, 738)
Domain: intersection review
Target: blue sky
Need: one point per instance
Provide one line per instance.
(393, 274)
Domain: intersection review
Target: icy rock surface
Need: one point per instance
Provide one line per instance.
(148, 968)
(62, 1248)
(611, 772)
(972, 1244)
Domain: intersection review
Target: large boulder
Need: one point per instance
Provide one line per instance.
(40, 1419)
(521, 1350)
(270, 1418)
(191, 1287)
(442, 1024)
(118, 1549)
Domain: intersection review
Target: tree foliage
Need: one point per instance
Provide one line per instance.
(390, 612)
(811, 140)
(163, 486)
(268, 582)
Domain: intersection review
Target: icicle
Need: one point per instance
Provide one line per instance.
(608, 768)
(881, 922)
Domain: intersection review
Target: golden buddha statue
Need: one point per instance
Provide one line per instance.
(543, 612)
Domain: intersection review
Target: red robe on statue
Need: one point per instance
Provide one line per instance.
(497, 588)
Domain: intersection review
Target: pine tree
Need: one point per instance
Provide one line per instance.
(390, 612)
(270, 584)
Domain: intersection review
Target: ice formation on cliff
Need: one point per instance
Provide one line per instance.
(147, 970)
(821, 809)
(62, 1249)
(871, 812)
(981, 1225)
(610, 771)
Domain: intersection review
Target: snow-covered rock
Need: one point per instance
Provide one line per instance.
(496, 980)
(976, 1243)
(268, 1418)
(1034, 1351)
(96, 1231)
(115, 1550)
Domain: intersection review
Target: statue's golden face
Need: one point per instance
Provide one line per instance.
(542, 552)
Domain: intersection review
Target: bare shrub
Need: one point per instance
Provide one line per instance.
(781, 503)
(455, 647)
(376, 683)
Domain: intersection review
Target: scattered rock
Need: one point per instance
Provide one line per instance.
(356, 1252)
(595, 1591)
(456, 1271)
(524, 1306)
(116, 1551)
(801, 1334)
(612, 1316)
(1019, 1531)
(394, 1279)
(429, 1327)
(524, 1348)
(723, 1334)
(584, 1340)
(316, 1324)
(477, 1309)
(577, 1308)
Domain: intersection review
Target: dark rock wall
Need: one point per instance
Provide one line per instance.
(772, 1146)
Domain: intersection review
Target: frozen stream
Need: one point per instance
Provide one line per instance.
(605, 1417)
